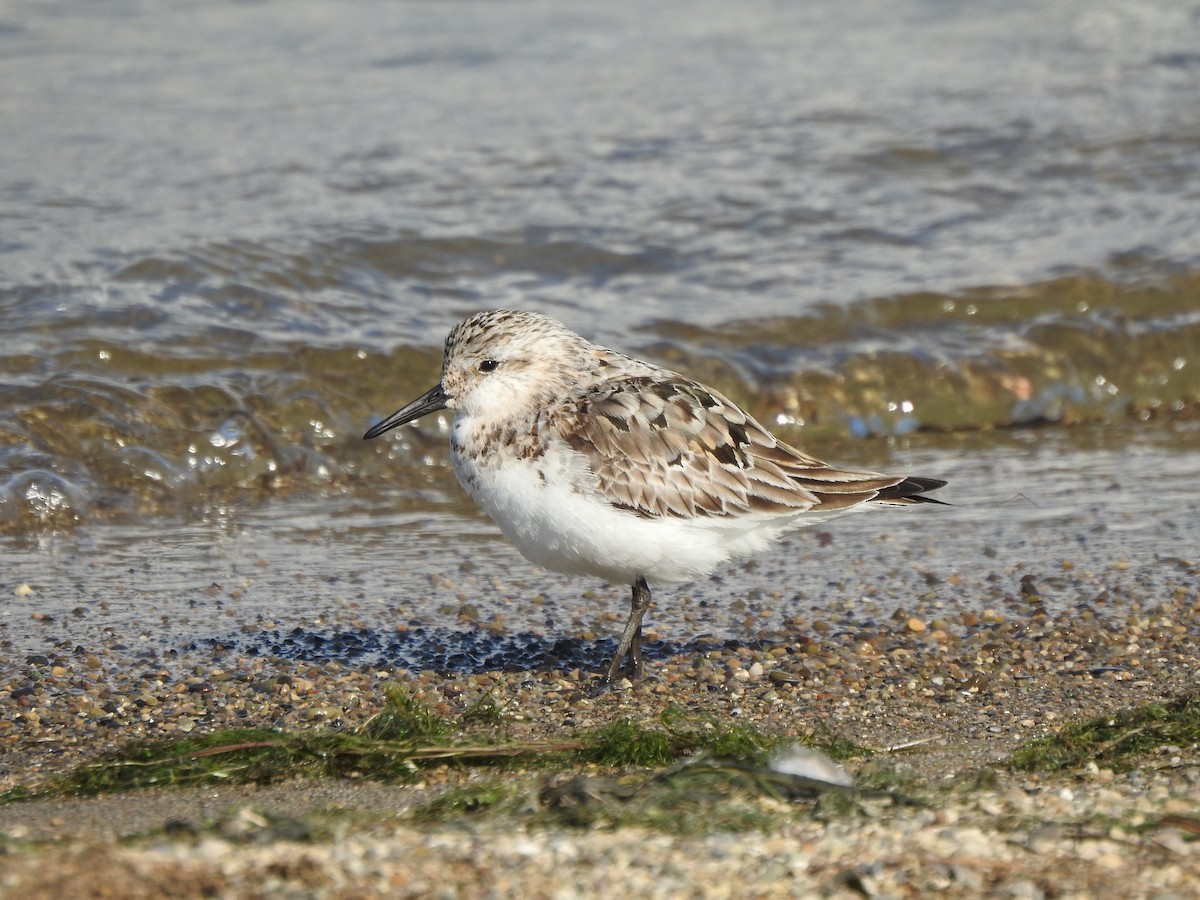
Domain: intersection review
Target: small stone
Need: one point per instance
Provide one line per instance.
(780, 677)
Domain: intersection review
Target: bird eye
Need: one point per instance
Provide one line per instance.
(488, 365)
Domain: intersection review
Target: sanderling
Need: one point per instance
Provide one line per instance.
(595, 463)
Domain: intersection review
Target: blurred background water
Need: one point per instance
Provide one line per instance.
(955, 239)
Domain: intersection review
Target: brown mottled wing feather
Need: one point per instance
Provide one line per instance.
(662, 445)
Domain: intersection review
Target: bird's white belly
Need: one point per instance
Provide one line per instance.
(559, 525)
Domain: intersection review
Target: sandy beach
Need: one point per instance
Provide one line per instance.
(942, 697)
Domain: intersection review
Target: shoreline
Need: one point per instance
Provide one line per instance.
(961, 690)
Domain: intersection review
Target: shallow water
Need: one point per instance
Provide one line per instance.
(376, 583)
(958, 241)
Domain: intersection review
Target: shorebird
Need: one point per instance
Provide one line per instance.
(593, 462)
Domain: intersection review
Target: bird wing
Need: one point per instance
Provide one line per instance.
(662, 445)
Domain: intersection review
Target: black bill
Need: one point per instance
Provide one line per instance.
(430, 401)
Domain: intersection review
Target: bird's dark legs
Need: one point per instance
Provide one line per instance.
(631, 638)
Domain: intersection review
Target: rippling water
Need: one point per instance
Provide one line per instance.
(232, 233)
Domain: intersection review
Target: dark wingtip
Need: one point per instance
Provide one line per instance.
(912, 489)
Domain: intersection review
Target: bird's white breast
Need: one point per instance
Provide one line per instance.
(547, 505)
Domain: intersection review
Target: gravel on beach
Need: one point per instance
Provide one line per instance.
(939, 690)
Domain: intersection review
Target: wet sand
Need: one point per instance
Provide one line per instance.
(1051, 592)
(963, 687)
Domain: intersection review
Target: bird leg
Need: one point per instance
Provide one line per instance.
(631, 637)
